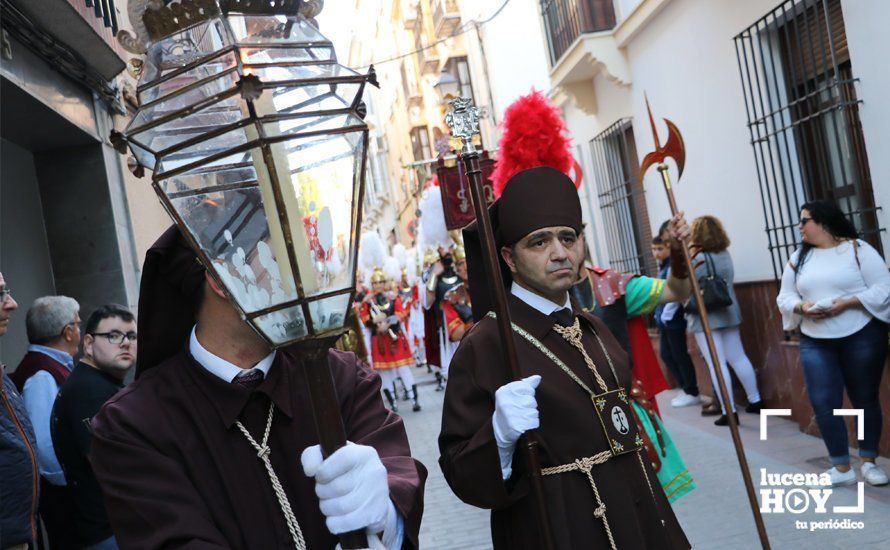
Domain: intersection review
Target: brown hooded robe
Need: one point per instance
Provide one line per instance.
(176, 471)
(637, 511)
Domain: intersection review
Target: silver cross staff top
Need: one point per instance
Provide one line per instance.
(463, 119)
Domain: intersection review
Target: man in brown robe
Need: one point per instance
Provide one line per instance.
(172, 453)
(619, 504)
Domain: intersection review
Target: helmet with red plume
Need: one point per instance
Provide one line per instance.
(534, 135)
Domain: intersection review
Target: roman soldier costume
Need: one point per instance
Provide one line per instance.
(457, 308)
(384, 314)
(440, 286)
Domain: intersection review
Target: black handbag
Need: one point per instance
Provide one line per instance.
(714, 290)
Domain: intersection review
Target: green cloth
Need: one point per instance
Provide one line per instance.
(673, 476)
(642, 295)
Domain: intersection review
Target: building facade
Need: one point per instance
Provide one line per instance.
(65, 223)
(778, 102)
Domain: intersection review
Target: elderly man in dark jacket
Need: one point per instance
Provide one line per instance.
(18, 455)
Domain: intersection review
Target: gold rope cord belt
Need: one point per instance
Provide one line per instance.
(583, 465)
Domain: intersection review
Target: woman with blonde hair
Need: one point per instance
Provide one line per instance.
(712, 243)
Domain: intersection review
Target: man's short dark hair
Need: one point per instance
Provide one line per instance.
(657, 240)
(106, 312)
(663, 228)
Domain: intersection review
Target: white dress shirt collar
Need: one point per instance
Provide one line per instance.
(220, 367)
(536, 301)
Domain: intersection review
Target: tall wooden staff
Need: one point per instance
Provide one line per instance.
(675, 149)
(463, 119)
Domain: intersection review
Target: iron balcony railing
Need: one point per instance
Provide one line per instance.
(566, 20)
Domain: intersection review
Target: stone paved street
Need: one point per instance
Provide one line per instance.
(714, 516)
(447, 522)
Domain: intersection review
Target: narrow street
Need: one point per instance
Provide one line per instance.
(715, 516)
(447, 522)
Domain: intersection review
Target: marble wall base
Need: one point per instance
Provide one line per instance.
(777, 363)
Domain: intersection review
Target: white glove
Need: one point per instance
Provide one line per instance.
(352, 488)
(515, 412)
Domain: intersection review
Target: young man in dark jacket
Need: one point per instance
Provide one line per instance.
(109, 347)
(18, 454)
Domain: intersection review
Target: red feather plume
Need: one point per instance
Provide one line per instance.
(533, 135)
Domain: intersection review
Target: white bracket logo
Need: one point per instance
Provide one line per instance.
(858, 413)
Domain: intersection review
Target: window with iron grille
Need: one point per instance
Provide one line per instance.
(803, 117)
(420, 143)
(621, 199)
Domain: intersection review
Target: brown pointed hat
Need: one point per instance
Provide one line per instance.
(532, 199)
(534, 157)
(169, 294)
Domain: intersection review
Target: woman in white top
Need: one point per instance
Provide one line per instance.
(836, 288)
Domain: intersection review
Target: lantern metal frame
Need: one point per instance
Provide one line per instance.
(250, 87)
(153, 22)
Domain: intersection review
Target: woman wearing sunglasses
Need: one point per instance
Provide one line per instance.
(836, 290)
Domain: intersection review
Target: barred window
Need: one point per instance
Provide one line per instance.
(621, 199)
(803, 117)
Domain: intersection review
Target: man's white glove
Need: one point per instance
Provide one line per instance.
(515, 412)
(352, 488)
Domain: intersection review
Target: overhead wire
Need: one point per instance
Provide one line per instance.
(462, 29)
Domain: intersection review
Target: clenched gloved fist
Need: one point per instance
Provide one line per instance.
(352, 488)
(515, 412)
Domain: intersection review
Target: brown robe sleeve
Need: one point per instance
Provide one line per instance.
(469, 454)
(368, 422)
(169, 512)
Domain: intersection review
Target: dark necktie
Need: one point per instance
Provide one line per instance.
(250, 379)
(563, 317)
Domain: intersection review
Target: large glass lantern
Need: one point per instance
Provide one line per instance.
(255, 139)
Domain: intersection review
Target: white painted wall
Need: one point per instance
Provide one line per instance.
(613, 103)
(869, 44)
(623, 8)
(685, 60)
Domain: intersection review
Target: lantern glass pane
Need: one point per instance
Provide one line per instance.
(329, 313)
(198, 73)
(319, 182)
(315, 124)
(287, 55)
(273, 29)
(192, 93)
(234, 171)
(184, 48)
(283, 326)
(230, 225)
(177, 130)
(202, 150)
(320, 97)
(304, 72)
(144, 157)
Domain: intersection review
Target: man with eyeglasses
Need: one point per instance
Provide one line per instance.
(19, 478)
(109, 347)
(53, 327)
